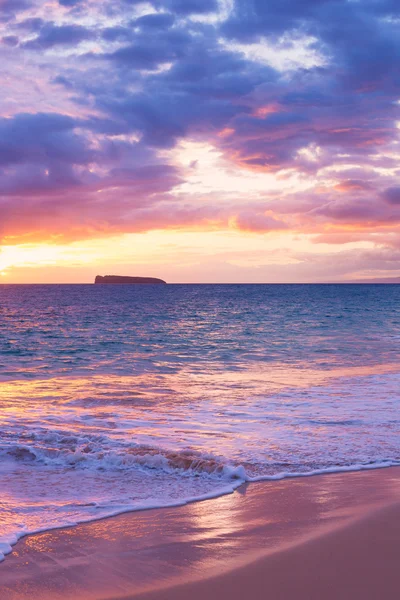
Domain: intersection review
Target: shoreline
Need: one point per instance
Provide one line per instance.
(162, 551)
(236, 484)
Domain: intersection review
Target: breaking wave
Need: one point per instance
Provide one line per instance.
(88, 454)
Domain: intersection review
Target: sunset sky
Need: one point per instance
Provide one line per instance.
(199, 140)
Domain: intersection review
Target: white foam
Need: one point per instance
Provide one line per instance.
(88, 451)
(237, 476)
(61, 515)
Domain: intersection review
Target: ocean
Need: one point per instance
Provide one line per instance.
(123, 397)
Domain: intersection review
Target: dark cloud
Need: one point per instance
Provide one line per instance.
(40, 138)
(155, 21)
(256, 17)
(10, 40)
(181, 7)
(117, 34)
(148, 52)
(340, 27)
(200, 90)
(158, 78)
(392, 195)
(53, 181)
(10, 8)
(351, 211)
(313, 109)
(51, 35)
(187, 7)
(61, 80)
(32, 25)
(69, 2)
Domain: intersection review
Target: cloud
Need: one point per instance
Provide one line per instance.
(258, 222)
(10, 8)
(69, 2)
(51, 35)
(200, 89)
(353, 185)
(148, 52)
(344, 237)
(181, 7)
(98, 148)
(40, 138)
(31, 24)
(59, 176)
(392, 195)
(10, 40)
(187, 7)
(155, 21)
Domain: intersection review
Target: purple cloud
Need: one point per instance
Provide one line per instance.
(151, 80)
(10, 8)
(51, 35)
(392, 195)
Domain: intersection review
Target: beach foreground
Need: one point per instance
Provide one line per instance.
(333, 536)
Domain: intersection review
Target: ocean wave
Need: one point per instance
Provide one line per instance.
(226, 480)
(122, 478)
(88, 454)
(95, 453)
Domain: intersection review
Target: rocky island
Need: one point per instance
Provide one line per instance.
(113, 279)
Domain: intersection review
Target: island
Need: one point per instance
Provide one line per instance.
(114, 279)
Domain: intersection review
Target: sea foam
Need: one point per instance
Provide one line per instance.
(120, 399)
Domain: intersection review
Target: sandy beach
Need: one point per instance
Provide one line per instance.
(334, 536)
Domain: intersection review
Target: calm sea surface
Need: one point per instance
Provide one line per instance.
(116, 398)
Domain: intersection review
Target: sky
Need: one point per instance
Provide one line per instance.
(199, 140)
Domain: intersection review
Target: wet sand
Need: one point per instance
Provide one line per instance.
(330, 537)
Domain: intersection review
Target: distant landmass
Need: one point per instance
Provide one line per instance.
(122, 279)
(377, 280)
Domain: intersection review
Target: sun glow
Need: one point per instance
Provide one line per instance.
(38, 255)
(176, 255)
